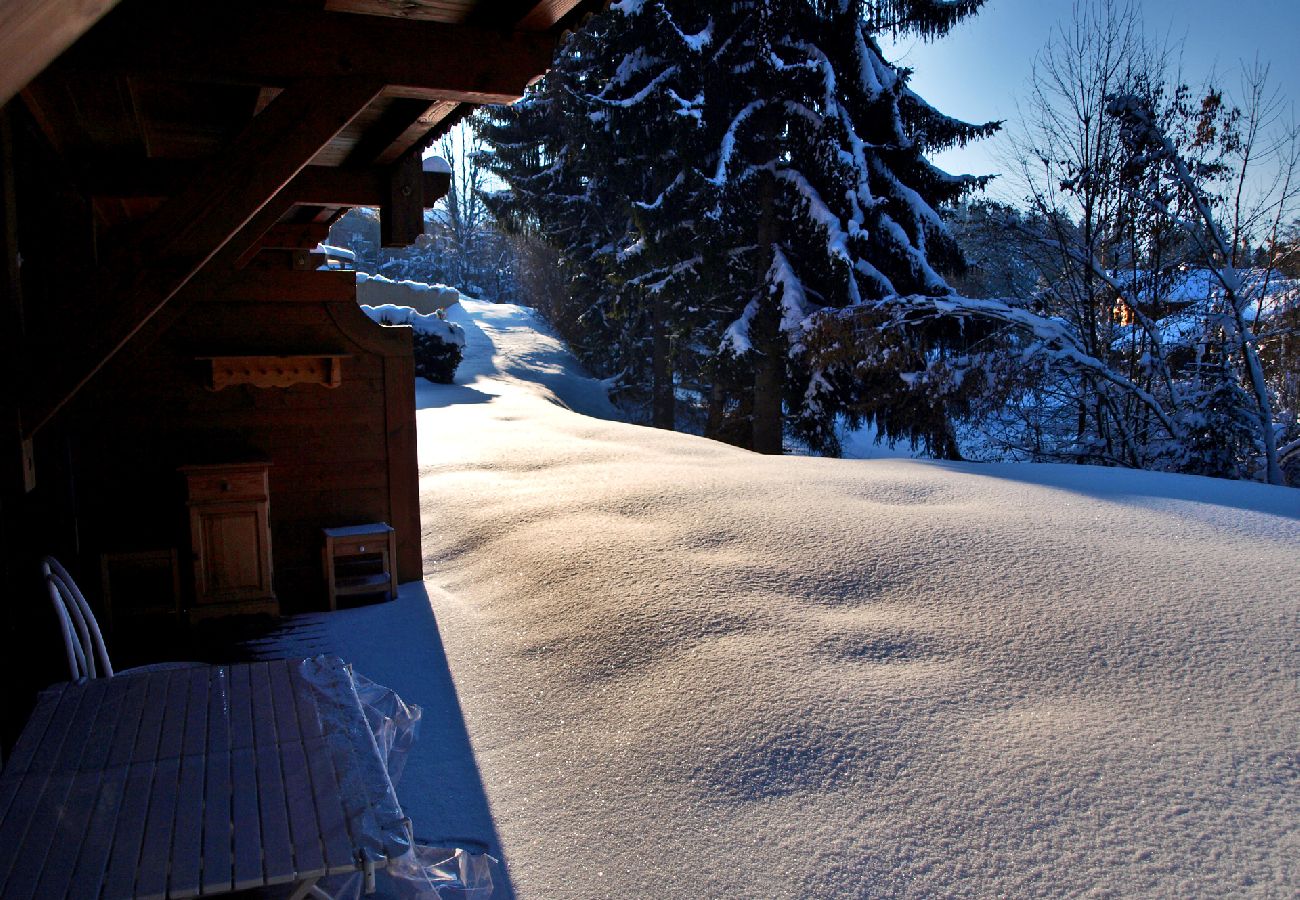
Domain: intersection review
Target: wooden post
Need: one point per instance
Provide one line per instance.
(401, 218)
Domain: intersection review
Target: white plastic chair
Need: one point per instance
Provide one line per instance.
(82, 639)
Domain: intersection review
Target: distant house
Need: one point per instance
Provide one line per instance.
(167, 169)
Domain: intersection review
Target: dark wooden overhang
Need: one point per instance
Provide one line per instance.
(200, 133)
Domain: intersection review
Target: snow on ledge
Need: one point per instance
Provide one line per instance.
(432, 324)
(376, 290)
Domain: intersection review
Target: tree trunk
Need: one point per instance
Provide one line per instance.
(769, 382)
(765, 336)
(663, 412)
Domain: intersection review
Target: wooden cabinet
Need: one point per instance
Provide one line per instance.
(230, 536)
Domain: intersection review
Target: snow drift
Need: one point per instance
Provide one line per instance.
(689, 671)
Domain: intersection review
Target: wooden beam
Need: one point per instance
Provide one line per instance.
(192, 227)
(313, 186)
(547, 14)
(34, 32)
(401, 218)
(275, 47)
(403, 115)
(294, 235)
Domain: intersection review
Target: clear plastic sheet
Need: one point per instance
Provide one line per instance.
(395, 723)
(415, 871)
(378, 827)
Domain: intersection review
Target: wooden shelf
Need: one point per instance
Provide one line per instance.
(275, 371)
(359, 559)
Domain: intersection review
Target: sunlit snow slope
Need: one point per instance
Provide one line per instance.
(689, 671)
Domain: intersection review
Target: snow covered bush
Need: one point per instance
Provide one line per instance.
(438, 343)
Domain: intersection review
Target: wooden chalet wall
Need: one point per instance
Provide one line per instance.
(162, 167)
(338, 456)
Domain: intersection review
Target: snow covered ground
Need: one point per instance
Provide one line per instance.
(657, 666)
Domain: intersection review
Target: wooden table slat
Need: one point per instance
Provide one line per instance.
(286, 711)
(219, 701)
(340, 854)
(36, 777)
(185, 878)
(218, 818)
(33, 734)
(43, 827)
(92, 864)
(171, 742)
(245, 820)
(123, 745)
(196, 716)
(277, 850)
(73, 831)
(308, 855)
(261, 705)
(336, 837)
(151, 719)
(243, 773)
(128, 831)
(151, 875)
(240, 709)
(177, 783)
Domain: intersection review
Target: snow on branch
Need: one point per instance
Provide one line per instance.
(641, 94)
(1053, 338)
(728, 147)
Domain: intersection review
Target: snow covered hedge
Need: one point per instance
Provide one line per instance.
(439, 344)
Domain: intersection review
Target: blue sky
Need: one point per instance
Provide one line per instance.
(978, 71)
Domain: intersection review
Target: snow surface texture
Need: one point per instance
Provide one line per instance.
(689, 671)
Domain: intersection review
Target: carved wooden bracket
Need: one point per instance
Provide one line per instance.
(275, 371)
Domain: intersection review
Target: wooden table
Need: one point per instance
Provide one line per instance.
(196, 781)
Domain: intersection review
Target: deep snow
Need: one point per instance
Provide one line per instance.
(688, 671)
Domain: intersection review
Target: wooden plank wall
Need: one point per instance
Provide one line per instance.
(339, 456)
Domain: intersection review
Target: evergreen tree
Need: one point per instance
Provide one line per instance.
(763, 207)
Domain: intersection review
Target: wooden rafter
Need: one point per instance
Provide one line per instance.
(34, 32)
(312, 186)
(426, 60)
(242, 184)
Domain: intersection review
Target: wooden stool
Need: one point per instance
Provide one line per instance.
(360, 559)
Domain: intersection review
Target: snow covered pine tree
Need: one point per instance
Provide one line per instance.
(769, 166)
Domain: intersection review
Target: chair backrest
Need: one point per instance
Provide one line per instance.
(87, 655)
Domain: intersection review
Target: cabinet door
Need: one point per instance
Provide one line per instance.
(232, 559)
